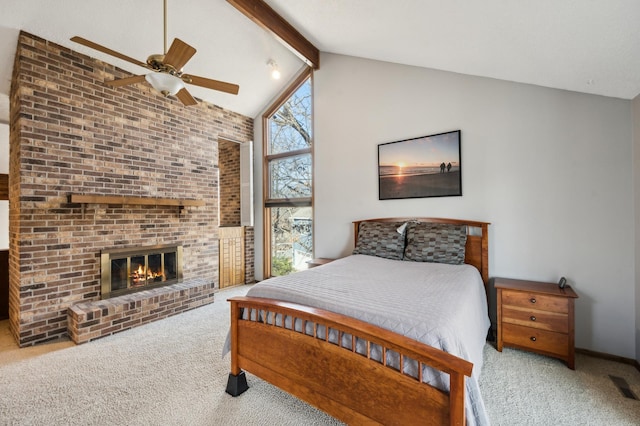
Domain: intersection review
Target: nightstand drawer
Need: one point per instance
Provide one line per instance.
(535, 301)
(536, 339)
(544, 320)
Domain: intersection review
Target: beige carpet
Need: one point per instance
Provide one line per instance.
(171, 373)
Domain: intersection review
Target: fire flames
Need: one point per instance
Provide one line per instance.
(140, 276)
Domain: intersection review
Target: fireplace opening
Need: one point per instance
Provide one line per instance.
(133, 269)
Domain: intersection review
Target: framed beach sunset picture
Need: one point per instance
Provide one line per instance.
(428, 166)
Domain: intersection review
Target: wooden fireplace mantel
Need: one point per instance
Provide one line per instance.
(136, 201)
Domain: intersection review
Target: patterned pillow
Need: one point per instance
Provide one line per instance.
(436, 242)
(382, 239)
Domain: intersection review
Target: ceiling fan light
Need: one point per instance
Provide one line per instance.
(166, 84)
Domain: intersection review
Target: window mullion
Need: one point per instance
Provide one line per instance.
(295, 153)
(288, 202)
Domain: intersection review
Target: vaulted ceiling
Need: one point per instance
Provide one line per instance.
(230, 47)
(587, 46)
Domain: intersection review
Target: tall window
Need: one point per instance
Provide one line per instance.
(288, 161)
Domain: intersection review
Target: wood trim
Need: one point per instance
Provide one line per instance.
(4, 187)
(288, 202)
(303, 151)
(137, 201)
(266, 212)
(609, 357)
(267, 18)
(266, 242)
(4, 284)
(295, 85)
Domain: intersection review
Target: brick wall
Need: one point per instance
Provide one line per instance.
(229, 162)
(230, 202)
(70, 133)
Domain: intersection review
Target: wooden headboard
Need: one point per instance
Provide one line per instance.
(476, 249)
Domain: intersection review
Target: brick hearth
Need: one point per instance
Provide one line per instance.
(70, 133)
(91, 320)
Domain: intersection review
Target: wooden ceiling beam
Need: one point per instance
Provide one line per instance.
(263, 15)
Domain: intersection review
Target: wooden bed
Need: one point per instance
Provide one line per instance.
(348, 385)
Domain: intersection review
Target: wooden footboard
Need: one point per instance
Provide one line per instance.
(335, 377)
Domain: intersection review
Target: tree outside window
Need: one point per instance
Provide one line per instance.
(288, 173)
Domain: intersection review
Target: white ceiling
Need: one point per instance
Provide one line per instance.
(590, 46)
(229, 46)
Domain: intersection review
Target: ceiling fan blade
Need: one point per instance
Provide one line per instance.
(108, 51)
(179, 54)
(211, 84)
(186, 98)
(124, 81)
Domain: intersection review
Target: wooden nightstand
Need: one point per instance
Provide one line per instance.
(319, 261)
(536, 316)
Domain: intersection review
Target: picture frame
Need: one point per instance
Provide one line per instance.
(426, 166)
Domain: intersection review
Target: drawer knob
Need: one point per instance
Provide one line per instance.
(532, 300)
(532, 318)
(533, 338)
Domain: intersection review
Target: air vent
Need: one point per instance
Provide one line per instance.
(624, 387)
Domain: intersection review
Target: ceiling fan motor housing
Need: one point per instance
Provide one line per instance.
(156, 62)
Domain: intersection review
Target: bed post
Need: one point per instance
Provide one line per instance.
(456, 399)
(237, 382)
(485, 257)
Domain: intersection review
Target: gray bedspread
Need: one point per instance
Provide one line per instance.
(441, 305)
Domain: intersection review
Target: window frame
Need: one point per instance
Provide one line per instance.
(285, 202)
(267, 202)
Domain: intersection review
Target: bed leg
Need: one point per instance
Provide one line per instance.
(237, 384)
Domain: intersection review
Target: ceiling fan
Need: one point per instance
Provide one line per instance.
(167, 76)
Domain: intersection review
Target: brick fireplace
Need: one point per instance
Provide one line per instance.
(71, 134)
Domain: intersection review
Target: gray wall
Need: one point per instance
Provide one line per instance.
(550, 169)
